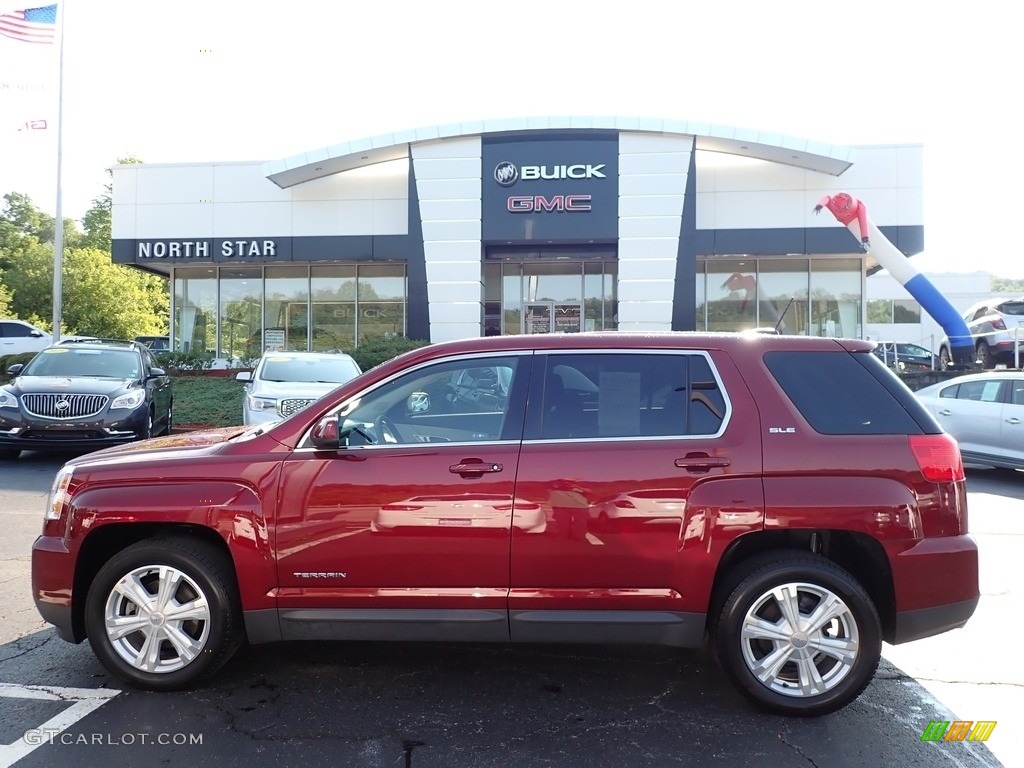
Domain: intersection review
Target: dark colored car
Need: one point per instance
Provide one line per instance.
(84, 395)
(156, 343)
(904, 356)
(785, 498)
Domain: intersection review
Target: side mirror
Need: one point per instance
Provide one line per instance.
(418, 402)
(15, 369)
(325, 433)
(35, 334)
(157, 372)
(243, 376)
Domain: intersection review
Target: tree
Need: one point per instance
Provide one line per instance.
(96, 221)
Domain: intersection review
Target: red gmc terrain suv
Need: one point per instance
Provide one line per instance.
(784, 498)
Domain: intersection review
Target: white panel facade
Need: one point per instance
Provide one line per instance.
(174, 184)
(653, 172)
(448, 187)
(233, 219)
(165, 221)
(245, 183)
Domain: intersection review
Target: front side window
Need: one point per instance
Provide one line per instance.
(630, 396)
(460, 401)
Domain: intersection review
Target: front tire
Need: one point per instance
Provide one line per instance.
(164, 613)
(798, 635)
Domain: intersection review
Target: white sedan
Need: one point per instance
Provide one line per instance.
(985, 413)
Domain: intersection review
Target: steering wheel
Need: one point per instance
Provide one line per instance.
(386, 431)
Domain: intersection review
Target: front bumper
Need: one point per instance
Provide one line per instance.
(935, 581)
(29, 433)
(53, 578)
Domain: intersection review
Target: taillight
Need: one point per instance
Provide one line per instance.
(998, 324)
(938, 456)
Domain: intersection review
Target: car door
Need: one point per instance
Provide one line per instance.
(160, 386)
(972, 413)
(1011, 424)
(406, 528)
(616, 444)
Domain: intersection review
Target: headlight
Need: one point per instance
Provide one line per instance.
(131, 400)
(8, 399)
(59, 497)
(261, 403)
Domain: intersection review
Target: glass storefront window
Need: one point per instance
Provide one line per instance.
(782, 295)
(731, 294)
(701, 313)
(512, 299)
(195, 310)
(241, 315)
(380, 301)
(906, 311)
(836, 296)
(333, 289)
(286, 311)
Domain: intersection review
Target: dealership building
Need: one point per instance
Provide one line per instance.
(532, 225)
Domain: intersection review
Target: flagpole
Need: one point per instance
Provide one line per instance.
(58, 236)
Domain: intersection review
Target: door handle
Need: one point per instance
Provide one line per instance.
(1013, 420)
(701, 462)
(470, 467)
(945, 412)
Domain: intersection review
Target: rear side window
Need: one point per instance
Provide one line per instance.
(601, 395)
(839, 394)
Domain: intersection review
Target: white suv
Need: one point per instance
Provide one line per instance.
(17, 336)
(994, 327)
(285, 382)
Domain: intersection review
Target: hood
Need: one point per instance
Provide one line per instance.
(188, 444)
(285, 389)
(51, 385)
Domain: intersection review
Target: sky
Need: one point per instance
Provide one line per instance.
(226, 80)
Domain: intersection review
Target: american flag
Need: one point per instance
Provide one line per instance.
(32, 25)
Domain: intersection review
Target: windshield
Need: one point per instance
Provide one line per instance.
(328, 370)
(71, 361)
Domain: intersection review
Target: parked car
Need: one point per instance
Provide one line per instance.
(904, 356)
(18, 337)
(993, 325)
(158, 343)
(985, 413)
(285, 382)
(88, 394)
(800, 506)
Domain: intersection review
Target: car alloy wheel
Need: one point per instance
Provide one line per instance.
(163, 613)
(798, 634)
(799, 639)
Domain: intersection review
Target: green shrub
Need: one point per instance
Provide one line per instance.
(380, 349)
(208, 400)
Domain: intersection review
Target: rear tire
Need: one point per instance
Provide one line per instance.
(798, 635)
(164, 613)
(988, 360)
(944, 359)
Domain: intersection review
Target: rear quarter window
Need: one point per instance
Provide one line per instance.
(842, 393)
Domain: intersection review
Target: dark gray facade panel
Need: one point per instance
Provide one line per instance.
(333, 248)
(684, 299)
(797, 240)
(549, 189)
(417, 311)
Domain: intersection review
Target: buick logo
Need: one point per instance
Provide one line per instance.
(506, 174)
(62, 405)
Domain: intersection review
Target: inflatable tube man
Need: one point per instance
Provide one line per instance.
(854, 214)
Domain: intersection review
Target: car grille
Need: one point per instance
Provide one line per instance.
(62, 406)
(288, 407)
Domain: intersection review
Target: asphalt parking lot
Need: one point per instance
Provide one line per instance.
(484, 705)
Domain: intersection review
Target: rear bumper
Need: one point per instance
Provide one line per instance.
(913, 625)
(935, 582)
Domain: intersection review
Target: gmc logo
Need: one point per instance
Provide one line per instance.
(542, 204)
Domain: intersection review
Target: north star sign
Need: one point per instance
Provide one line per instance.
(205, 249)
